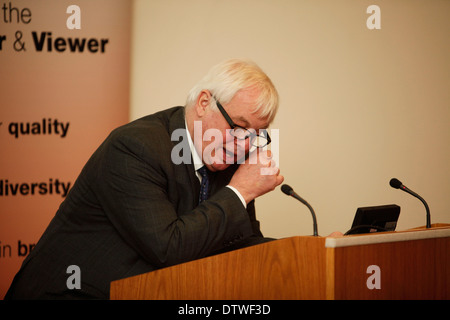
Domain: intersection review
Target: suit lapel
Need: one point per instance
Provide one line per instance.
(185, 172)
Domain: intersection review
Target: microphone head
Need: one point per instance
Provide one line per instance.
(395, 183)
(286, 189)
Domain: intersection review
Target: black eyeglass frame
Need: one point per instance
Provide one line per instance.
(235, 126)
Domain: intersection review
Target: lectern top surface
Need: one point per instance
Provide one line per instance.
(384, 237)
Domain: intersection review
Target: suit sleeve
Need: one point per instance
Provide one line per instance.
(255, 223)
(132, 186)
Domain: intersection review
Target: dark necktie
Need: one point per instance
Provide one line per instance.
(204, 186)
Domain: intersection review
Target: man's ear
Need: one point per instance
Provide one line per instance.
(203, 102)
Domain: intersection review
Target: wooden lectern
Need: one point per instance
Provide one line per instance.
(413, 264)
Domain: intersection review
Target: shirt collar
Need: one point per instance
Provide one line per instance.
(198, 163)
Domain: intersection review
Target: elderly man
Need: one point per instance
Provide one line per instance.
(151, 197)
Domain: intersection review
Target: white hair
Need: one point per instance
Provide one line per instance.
(227, 78)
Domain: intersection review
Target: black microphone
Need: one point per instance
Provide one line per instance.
(290, 192)
(395, 183)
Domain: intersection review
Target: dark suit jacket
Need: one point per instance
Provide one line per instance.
(132, 210)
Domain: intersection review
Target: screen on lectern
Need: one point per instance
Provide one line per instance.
(375, 219)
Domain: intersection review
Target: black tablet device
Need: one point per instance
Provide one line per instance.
(375, 219)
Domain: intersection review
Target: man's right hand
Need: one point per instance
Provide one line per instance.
(257, 176)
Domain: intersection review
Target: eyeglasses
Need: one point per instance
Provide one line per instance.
(258, 140)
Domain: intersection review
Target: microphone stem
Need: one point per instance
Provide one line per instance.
(315, 233)
(424, 203)
(314, 220)
(428, 212)
(428, 215)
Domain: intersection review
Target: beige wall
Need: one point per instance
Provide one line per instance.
(358, 106)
